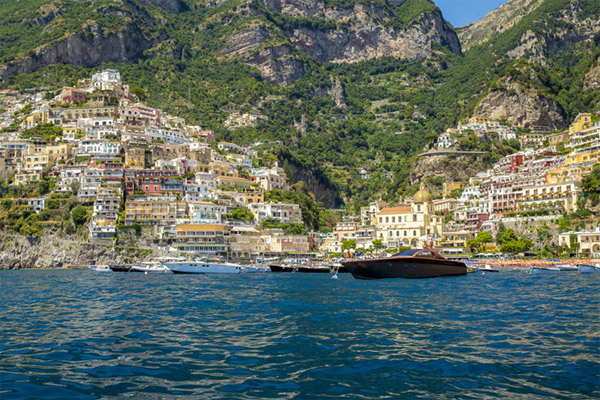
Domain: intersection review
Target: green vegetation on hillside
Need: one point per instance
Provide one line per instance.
(392, 109)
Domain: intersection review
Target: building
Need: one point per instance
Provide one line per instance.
(245, 243)
(581, 121)
(281, 212)
(559, 197)
(154, 210)
(412, 224)
(586, 243)
(210, 239)
(269, 178)
(71, 95)
(106, 80)
(532, 139)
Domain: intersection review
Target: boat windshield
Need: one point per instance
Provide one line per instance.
(406, 253)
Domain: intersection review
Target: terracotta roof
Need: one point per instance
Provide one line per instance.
(395, 210)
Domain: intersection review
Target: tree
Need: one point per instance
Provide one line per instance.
(79, 215)
(485, 237)
(348, 244)
(6, 204)
(43, 187)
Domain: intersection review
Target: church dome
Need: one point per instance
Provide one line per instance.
(422, 196)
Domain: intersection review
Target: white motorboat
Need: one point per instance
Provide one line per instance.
(544, 270)
(588, 268)
(150, 266)
(100, 268)
(203, 267)
(567, 267)
(250, 269)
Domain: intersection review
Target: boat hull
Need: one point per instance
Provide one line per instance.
(587, 269)
(120, 268)
(284, 268)
(203, 268)
(544, 271)
(404, 267)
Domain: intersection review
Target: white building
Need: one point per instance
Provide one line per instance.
(282, 212)
(106, 80)
(98, 147)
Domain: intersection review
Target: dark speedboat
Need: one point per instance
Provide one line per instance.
(426, 263)
(120, 268)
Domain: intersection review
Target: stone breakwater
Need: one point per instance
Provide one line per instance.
(18, 252)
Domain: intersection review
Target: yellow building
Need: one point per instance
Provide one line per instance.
(448, 187)
(581, 122)
(25, 177)
(575, 167)
(135, 156)
(74, 114)
(245, 243)
(588, 242)
(37, 161)
(37, 118)
(233, 182)
(558, 197)
(202, 238)
(154, 210)
(410, 224)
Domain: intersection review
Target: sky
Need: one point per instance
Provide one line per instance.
(462, 12)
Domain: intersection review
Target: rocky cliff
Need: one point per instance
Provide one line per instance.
(90, 47)
(523, 107)
(501, 19)
(18, 251)
(572, 26)
(326, 33)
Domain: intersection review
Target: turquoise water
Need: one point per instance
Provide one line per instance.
(85, 335)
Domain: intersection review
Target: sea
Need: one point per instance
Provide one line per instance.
(74, 334)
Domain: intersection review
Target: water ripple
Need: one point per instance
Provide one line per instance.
(81, 335)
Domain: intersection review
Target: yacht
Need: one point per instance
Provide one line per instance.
(203, 267)
(426, 263)
(150, 266)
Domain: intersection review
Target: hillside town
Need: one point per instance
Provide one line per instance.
(96, 162)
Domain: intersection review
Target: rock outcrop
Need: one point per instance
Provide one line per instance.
(523, 107)
(172, 6)
(451, 169)
(592, 78)
(18, 251)
(574, 26)
(496, 22)
(335, 34)
(365, 32)
(87, 48)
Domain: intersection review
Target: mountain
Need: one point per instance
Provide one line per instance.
(501, 19)
(346, 85)
(276, 36)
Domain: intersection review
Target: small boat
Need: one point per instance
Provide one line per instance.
(567, 267)
(425, 263)
(150, 266)
(120, 268)
(487, 268)
(587, 268)
(299, 268)
(203, 267)
(100, 268)
(543, 270)
(252, 269)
